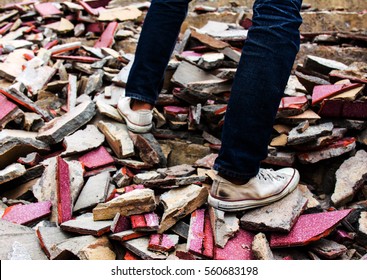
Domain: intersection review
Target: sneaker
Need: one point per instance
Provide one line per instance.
(266, 187)
(139, 121)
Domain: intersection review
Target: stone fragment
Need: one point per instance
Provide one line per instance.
(72, 92)
(35, 78)
(139, 247)
(260, 248)
(101, 249)
(180, 202)
(28, 213)
(57, 129)
(11, 233)
(335, 149)
(328, 249)
(96, 158)
(207, 161)
(224, 225)
(145, 222)
(11, 172)
(181, 229)
(118, 138)
(143, 177)
(135, 202)
(63, 189)
(85, 224)
(200, 239)
(149, 149)
(120, 14)
(237, 248)
(123, 177)
(11, 68)
(109, 111)
(83, 141)
(94, 83)
(70, 248)
(279, 158)
(350, 177)
(182, 170)
(127, 235)
(322, 65)
(47, 9)
(279, 141)
(94, 192)
(309, 228)
(312, 203)
(48, 237)
(163, 242)
(62, 26)
(279, 216)
(32, 121)
(309, 134)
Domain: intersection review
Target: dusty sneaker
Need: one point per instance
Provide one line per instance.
(266, 187)
(139, 121)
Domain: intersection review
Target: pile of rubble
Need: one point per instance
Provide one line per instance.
(76, 184)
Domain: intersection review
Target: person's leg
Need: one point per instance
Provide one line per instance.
(266, 62)
(157, 40)
(156, 43)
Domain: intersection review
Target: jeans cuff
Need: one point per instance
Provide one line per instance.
(140, 97)
(233, 174)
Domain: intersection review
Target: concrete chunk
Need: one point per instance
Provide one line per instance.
(11, 172)
(311, 133)
(260, 248)
(139, 247)
(328, 249)
(49, 237)
(85, 224)
(349, 178)
(225, 226)
(83, 141)
(180, 202)
(278, 216)
(135, 202)
(57, 129)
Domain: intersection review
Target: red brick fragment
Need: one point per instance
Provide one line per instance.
(320, 92)
(25, 214)
(7, 107)
(133, 187)
(88, 8)
(96, 158)
(201, 241)
(107, 38)
(64, 204)
(237, 248)
(162, 242)
(145, 222)
(83, 59)
(47, 9)
(338, 108)
(308, 228)
(129, 256)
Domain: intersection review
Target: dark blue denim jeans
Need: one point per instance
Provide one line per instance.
(263, 71)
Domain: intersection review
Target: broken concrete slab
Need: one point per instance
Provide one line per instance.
(308, 228)
(335, 149)
(57, 129)
(224, 225)
(350, 177)
(11, 172)
(109, 111)
(135, 202)
(260, 248)
(49, 237)
(27, 214)
(175, 209)
(328, 249)
(311, 133)
(93, 192)
(11, 233)
(71, 247)
(150, 150)
(139, 246)
(85, 224)
(279, 216)
(83, 141)
(118, 138)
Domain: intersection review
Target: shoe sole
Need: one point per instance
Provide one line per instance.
(234, 206)
(133, 127)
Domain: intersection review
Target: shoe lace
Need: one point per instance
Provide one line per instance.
(269, 174)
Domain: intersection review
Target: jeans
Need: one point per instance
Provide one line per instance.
(266, 62)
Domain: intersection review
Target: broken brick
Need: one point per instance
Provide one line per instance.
(145, 222)
(163, 242)
(64, 203)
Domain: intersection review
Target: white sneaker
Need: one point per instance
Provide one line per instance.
(139, 121)
(266, 187)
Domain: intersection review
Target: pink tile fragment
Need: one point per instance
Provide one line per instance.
(47, 9)
(25, 214)
(122, 223)
(161, 242)
(107, 38)
(308, 228)
(201, 240)
(237, 248)
(96, 158)
(64, 205)
(6, 106)
(321, 92)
